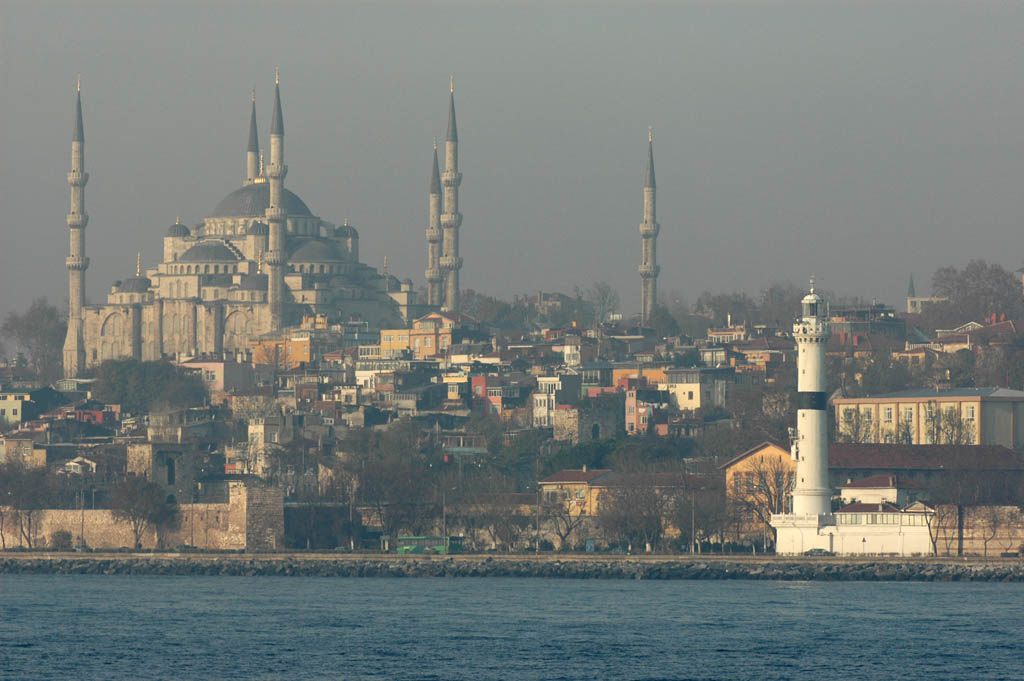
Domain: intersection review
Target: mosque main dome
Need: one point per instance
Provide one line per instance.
(252, 201)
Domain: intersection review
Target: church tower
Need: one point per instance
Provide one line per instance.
(649, 229)
(451, 220)
(433, 273)
(252, 153)
(274, 257)
(77, 263)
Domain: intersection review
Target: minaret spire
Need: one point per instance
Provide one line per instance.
(276, 216)
(451, 220)
(77, 263)
(252, 153)
(433, 273)
(649, 230)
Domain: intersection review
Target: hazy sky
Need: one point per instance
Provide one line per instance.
(854, 141)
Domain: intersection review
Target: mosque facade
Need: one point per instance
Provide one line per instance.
(259, 262)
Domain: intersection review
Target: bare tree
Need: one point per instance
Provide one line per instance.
(604, 298)
(143, 505)
(562, 520)
(634, 513)
(762, 489)
(854, 428)
(39, 332)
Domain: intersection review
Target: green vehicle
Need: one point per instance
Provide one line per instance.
(433, 544)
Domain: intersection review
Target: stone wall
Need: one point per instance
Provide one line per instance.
(252, 520)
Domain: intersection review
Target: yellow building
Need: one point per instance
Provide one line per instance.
(987, 416)
(573, 488)
(430, 335)
(758, 483)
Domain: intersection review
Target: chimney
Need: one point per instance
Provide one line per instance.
(584, 468)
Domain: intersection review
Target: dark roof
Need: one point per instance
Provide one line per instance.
(79, 133)
(879, 481)
(576, 475)
(277, 124)
(924, 457)
(208, 251)
(435, 176)
(314, 250)
(135, 285)
(650, 480)
(649, 173)
(178, 229)
(253, 282)
(254, 140)
(259, 229)
(252, 201)
(453, 133)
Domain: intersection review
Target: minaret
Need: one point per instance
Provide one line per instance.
(77, 263)
(252, 154)
(451, 220)
(275, 255)
(812, 495)
(433, 273)
(649, 229)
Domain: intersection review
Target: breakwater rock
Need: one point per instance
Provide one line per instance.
(321, 565)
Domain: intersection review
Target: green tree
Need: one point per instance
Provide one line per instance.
(39, 331)
(140, 386)
(663, 323)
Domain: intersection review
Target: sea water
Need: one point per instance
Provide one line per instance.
(136, 627)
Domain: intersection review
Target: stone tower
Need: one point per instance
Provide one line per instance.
(77, 263)
(274, 258)
(451, 220)
(252, 153)
(433, 273)
(649, 229)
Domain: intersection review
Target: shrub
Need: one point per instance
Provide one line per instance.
(60, 541)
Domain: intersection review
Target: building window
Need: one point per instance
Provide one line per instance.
(969, 412)
(888, 414)
(908, 414)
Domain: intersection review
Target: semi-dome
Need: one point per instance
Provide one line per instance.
(259, 229)
(208, 251)
(315, 250)
(252, 201)
(179, 230)
(135, 285)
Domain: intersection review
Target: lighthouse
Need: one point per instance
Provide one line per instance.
(802, 529)
(812, 494)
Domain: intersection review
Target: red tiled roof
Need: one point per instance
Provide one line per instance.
(576, 475)
(877, 481)
(651, 480)
(924, 457)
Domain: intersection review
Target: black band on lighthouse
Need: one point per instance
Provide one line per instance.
(807, 400)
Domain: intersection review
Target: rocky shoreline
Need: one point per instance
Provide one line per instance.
(544, 567)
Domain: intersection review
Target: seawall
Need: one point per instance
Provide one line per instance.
(554, 567)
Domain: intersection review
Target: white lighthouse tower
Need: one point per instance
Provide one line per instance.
(802, 529)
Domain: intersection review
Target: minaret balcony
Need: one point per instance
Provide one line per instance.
(78, 178)
(649, 229)
(649, 271)
(433, 235)
(276, 214)
(433, 275)
(77, 220)
(76, 263)
(274, 258)
(451, 262)
(451, 220)
(276, 171)
(451, 179)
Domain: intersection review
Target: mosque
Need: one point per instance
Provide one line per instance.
(256, 265)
